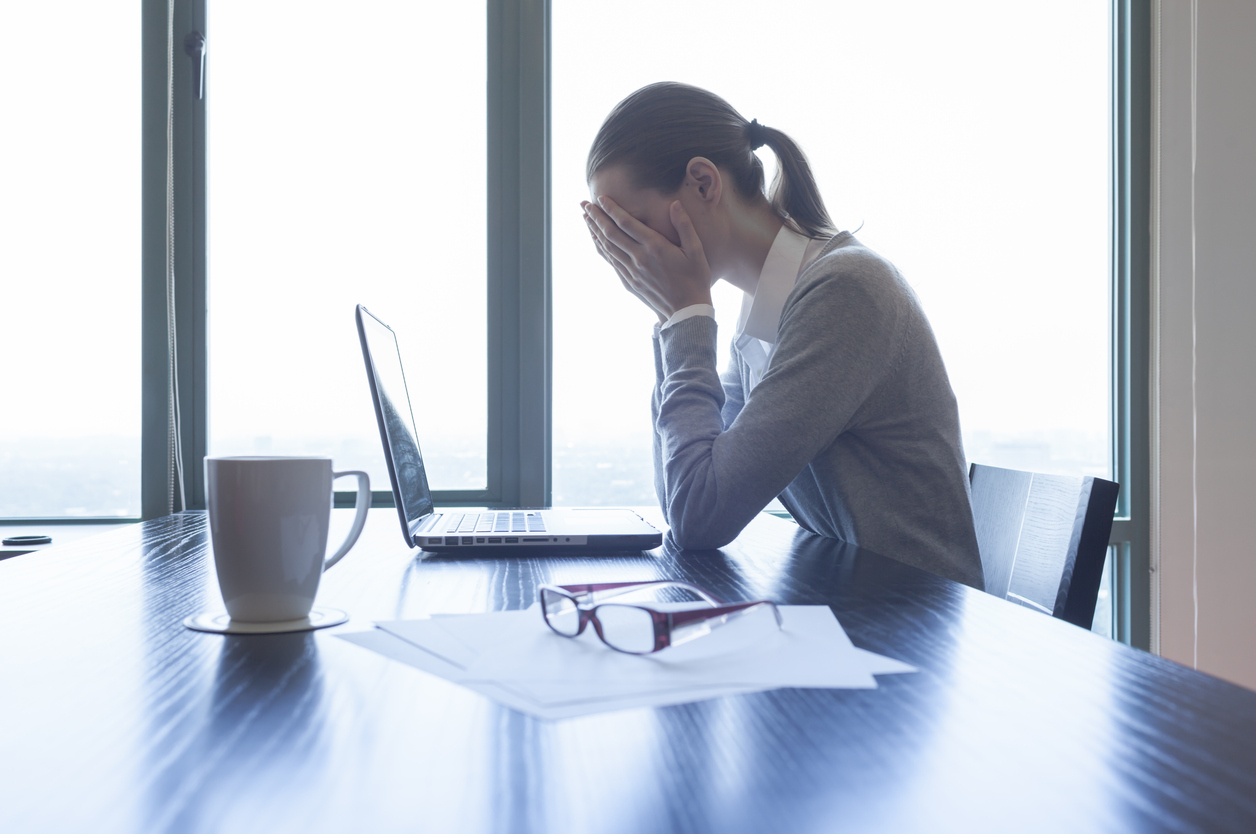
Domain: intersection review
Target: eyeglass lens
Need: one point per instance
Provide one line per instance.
(560, 612)
(626, 627)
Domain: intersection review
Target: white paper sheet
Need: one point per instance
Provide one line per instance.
(463, 628)
(397, 649)
(879, 664)
(514, 658)
(809, 650)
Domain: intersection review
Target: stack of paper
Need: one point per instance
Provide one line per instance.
(515, 659)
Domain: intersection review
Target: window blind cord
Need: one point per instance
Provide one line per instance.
(1194, 351)
(175, 428)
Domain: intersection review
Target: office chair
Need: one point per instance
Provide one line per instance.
(1043, 538)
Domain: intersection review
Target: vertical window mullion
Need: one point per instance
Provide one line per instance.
(159, 493)
(518, 240)
(1131, 293)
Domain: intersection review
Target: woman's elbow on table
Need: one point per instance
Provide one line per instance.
(694, 528)
(705, 539)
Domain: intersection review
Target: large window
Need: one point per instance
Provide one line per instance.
(347, 167)
(975, 160)
(70, 260)
(427, 161)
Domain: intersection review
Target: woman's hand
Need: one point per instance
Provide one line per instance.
(620, 271)
(664, 276)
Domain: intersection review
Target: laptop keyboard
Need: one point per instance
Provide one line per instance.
(496, 522)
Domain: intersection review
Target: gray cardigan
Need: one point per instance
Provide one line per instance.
(854, 424)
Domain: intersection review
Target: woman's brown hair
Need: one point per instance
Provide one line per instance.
(655, 131)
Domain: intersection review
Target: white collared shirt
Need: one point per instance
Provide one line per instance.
(760, 316)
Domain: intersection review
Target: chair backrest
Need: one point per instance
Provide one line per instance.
(1043, 538)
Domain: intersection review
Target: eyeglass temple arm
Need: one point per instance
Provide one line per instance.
(680, 620)
(628, 587)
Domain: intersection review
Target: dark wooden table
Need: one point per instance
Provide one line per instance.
(117, 718)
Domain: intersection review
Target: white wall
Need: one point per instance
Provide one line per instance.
(1220, 546)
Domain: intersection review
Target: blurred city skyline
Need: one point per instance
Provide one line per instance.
(100, 476)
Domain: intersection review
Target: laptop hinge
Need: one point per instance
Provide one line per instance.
(425, 522)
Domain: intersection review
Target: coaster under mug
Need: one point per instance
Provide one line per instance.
(220, 622)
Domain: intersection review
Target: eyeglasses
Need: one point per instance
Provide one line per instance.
(636, 629)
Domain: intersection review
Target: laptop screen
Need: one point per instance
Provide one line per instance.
(396, 420)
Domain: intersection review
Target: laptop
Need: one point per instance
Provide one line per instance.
(500, 530)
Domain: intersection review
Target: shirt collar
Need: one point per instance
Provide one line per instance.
(761, 313)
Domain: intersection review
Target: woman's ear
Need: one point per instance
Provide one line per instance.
(704, 179)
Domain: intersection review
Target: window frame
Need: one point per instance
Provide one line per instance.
(1131, 319)
(517, 241)
(162, 50)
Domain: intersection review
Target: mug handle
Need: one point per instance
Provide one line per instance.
(361, 505)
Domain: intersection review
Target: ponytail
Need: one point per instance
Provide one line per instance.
(656, 131)
(794, 194)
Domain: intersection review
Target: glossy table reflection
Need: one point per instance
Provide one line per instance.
(116, 718)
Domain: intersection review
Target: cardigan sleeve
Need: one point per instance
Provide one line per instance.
(656, 398)
(837, 342)
(734, 400)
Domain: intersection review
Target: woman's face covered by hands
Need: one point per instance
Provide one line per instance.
(651, 239)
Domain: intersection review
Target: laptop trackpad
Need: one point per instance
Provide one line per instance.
(594, 522)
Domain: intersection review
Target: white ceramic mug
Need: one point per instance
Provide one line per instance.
(268, 519)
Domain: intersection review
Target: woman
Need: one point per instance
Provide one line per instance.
(835, 399)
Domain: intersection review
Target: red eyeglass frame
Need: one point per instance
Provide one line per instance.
(665, 622)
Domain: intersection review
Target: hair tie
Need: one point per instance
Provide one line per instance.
(755, 134)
